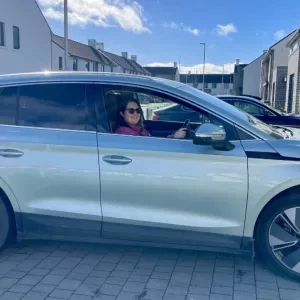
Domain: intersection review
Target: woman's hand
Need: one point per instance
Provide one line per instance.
(180, 134)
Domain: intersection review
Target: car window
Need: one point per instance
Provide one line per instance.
(159, 107)
(61, 106)
(8, 105)
(248, 107)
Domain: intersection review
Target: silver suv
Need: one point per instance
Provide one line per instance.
(233, 183)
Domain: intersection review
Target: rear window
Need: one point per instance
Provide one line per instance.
(8, 105)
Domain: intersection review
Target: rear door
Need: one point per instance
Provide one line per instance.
(48, 157)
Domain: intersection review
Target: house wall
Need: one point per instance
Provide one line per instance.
(252, 73)
(280, 91)
(221, 88)
(35, 38)
(294, 68)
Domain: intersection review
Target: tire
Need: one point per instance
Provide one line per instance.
(5, 225)
(278, 236)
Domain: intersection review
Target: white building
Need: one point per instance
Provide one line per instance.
(80, 57)
(251, 79)
(92, 57)
(214, 84)
(293, 76)
(25, 37)
(274, 73)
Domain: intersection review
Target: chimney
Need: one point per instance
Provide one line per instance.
(237, 61)
(125, 54)
(134, 57)
(92, 43)
(100, 46)
(175, 64)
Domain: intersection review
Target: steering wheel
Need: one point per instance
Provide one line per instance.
(188, 129)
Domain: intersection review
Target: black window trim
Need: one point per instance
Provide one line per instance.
(86, 83)
(181, 101)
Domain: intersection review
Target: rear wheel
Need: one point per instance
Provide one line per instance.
(5, 225)
(278, 236)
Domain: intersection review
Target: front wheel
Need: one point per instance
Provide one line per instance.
(5, 224)
(278, 236)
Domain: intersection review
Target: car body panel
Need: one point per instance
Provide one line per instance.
(269, 175)
(169, 184)
(57, 175)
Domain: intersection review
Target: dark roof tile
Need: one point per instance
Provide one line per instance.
(82, 50)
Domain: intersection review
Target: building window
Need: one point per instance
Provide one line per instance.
(205, 85)
(75, 64)
(214, 85)
(2, 34)
(95, 67)
(226, 85)
(60, 63)
(87, 66)
(16, 37)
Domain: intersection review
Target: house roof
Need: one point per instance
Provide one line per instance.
(272, 47)
(126, 63)
(81, 50)
(294, 38)
(162, 70)
(254, 60)
(209, 78)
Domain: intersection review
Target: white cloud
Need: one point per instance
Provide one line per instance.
(171, 25)
(182, 26)
(279, 34)
(127, 14)
(198, 69)
(224, 30)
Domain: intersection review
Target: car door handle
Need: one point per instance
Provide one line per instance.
(117, 159)
(10, 153)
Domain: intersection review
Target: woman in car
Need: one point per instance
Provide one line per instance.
(130, 121)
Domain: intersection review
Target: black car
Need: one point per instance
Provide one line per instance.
(250, 105)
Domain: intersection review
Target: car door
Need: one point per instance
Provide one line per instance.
(49, 159)
(172, 191)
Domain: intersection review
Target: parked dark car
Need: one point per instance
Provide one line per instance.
(252, 106)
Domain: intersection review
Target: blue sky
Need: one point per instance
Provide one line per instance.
(164, 31)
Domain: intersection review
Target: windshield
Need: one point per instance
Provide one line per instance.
(280, 112)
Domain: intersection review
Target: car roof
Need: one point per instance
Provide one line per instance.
(50, 76)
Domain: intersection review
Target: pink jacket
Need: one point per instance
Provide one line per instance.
(135, 130)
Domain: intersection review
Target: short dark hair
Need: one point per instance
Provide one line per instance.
(122, 108)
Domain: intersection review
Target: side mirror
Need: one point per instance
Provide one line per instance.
(212, 135)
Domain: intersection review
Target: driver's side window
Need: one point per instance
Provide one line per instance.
(162, 114)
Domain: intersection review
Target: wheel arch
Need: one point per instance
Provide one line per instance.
(11, 204)
(285, 193)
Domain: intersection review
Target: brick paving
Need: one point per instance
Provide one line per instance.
(53, 270)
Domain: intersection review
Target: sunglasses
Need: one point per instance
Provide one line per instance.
(132, 110)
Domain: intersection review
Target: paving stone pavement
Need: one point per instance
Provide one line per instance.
(48, 270)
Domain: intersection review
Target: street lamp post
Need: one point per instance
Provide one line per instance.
(66, 33)
(204, 46)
